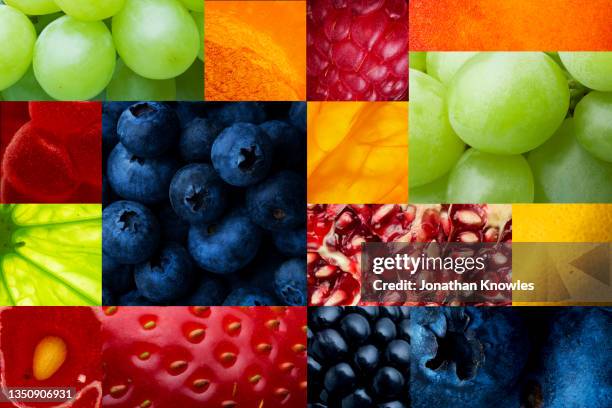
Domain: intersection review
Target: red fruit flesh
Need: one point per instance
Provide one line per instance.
(23, 328)
(357, 50)
(65, 118)
(204, 356)
(335, 233)
(38, 166)
(51, 157)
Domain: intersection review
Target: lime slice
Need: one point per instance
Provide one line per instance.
(50, 254)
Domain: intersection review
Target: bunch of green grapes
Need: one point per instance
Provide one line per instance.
(506, 127)
(101, 49)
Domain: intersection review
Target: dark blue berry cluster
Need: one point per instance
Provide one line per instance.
(204, 203)
(446, 357)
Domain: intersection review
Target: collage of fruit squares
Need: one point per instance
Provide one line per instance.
(305, 204)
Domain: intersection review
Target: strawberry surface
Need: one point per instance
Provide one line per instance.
(357, 50)
(162, 357)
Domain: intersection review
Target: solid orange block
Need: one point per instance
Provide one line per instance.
(255, 50)
(357, 152)
(519, 25)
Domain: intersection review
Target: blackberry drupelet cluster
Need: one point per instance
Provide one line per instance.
(359, 357)
(204, 203)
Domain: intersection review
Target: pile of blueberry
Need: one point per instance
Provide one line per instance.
(446, 357)
(204, 203)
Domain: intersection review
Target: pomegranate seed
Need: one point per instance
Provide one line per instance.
(325, 271)
(468, 236)
(336, 298)
(383, 212)
(469, 218)
(345, 222)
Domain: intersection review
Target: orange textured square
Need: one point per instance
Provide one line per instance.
(520, 25)
(357, 152)
(255, 50)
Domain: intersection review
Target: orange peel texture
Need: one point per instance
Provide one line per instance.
(520, 25)
(255, 50)
(562, 222)
(357, 152)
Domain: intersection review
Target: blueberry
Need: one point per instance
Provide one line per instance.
(197, 194)
(242, 155)
(130, 232)
(225, 246)
(249, 297)
(148, 129)
(388, 382)
(166, 276)
(398, 354)
(188, 111)
(297, 115)
(479, 353)
(248, 112)
(355, 327)
(323, 317)
(329, 346)
(278, 202)
(173, 227)
(287, 143)
(106, 191)
(357, 399)
(110, 116)
(117, 277)
(210, 292)
(134, 298)
(138, 179)
(339, 378)
(384, 330)
(290, 282)
(366, 358)
(291, 242)
(577, 359)
(197, 139)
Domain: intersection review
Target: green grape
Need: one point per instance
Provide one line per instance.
(157, 39)
(196, 5)
(129, 86)
(593, 121)
(40, 22)
(34, 7)
(434, 146)
(26, 89)
(190, 84)
(592, 69)
(199, 20)
(481, 177)
(444, 65)
(74, 60)
(416, 60)
(508, 102)
(565, 173)
(434, 192)
(91, 10)
(17, 38)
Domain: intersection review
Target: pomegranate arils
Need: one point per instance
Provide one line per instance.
(336, 233)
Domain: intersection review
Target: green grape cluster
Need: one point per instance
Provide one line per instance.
(101, 49)
(507, 127)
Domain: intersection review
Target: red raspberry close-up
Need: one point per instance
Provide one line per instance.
(50, 152)
(357, 50)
